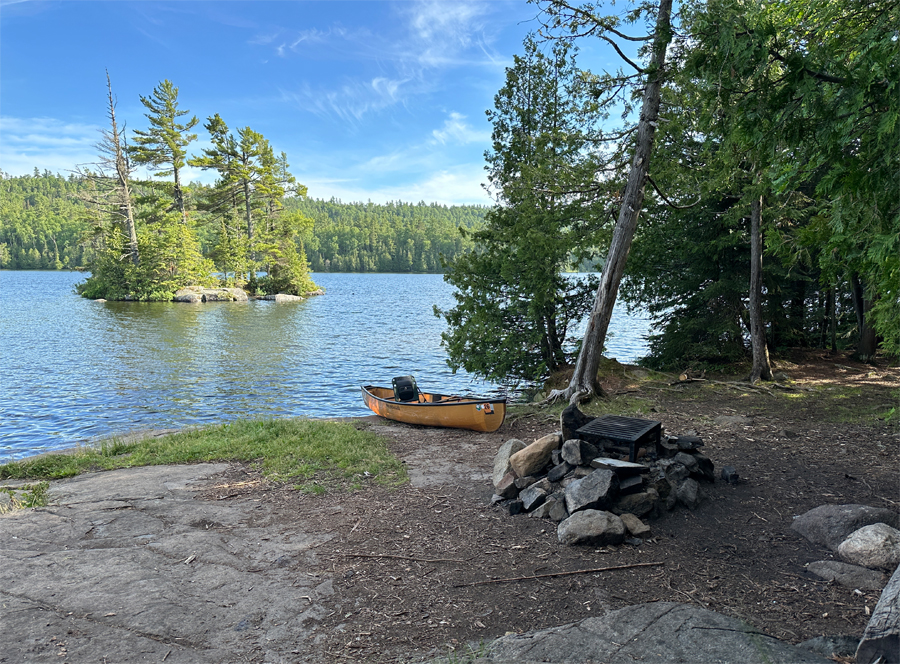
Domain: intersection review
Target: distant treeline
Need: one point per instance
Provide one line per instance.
(44, 225)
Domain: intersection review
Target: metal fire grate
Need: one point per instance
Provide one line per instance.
(634, 431)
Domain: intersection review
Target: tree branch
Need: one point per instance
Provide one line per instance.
(668, 202)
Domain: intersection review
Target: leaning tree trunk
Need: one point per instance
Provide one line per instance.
(761, 367)
(584, 383)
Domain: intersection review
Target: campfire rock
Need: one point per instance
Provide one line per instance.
(876, 546)
(688, 461)
(558, 472)
(501, 459)
(525, 482)
(689, 494)
(532, 459)
(639, 504)
(686, 443)
(578, 452)
(829, 525)
(558, 511)
(596, 491)
(507, 488)
(634, 525)
(591, 527)
(674, 471)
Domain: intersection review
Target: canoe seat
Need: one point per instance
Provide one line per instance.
(405, 388)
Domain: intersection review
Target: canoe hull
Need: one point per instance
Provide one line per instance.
(437, 410)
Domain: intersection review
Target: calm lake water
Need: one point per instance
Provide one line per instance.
(74, 370)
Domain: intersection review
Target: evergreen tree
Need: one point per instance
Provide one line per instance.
(513, 305)
(163, 147)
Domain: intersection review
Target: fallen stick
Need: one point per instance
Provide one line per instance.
(385, 555)
(544, 576)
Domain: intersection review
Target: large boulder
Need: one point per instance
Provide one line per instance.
(591, 527)
(876, 546)
(534, 458)
(660, 632)
(829, 525)
(190, 294)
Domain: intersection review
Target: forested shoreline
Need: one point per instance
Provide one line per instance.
(44, 225)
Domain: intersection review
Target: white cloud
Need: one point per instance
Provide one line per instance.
(45, 144)
(458, 185)
(456, 130)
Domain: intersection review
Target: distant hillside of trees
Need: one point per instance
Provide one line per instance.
(44, 225)
(396, 237)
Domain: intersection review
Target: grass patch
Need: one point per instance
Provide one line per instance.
(311, 453)
(23, 497)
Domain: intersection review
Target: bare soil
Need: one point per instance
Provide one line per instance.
(434, 567)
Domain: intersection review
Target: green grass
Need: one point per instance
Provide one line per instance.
(22, 497)
(315, 455)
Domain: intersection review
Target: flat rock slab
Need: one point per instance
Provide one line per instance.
(659, 632)
(126, 565)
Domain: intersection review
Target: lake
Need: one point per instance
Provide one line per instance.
(75, 370)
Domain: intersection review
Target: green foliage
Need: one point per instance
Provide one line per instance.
(514, 308)
(317, 453)
(394, 237)
(41, 222)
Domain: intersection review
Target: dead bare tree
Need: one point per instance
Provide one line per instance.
(109, 190)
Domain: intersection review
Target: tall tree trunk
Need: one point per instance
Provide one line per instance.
(584, 383)
(179, 195)
(832, 319)
(761, 367)
(868, 341)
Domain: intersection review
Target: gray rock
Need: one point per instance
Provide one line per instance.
(593, 527)
(542, 511)
(194, 298)
(560, 471)
(730, 475)
(676, 472)
(634, 525)
(829, 525)
(532, 497)
(282, 297)
(558, 511)
(525, 482)
(706, 470)
(876, 547)
(689, 494)
(639, 504)
(596, 491)
(688, 461)
(507, 486)
(578, 452)
(501, 459)
(840, 645)
(660, 632)
(686, 443)
(849, 576)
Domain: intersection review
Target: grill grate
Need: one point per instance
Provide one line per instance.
(632, 430)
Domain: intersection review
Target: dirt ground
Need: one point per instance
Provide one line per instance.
(422, 570)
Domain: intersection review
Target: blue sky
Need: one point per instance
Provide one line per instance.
(370, 100)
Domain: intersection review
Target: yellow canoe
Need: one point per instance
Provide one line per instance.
(437, 410)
